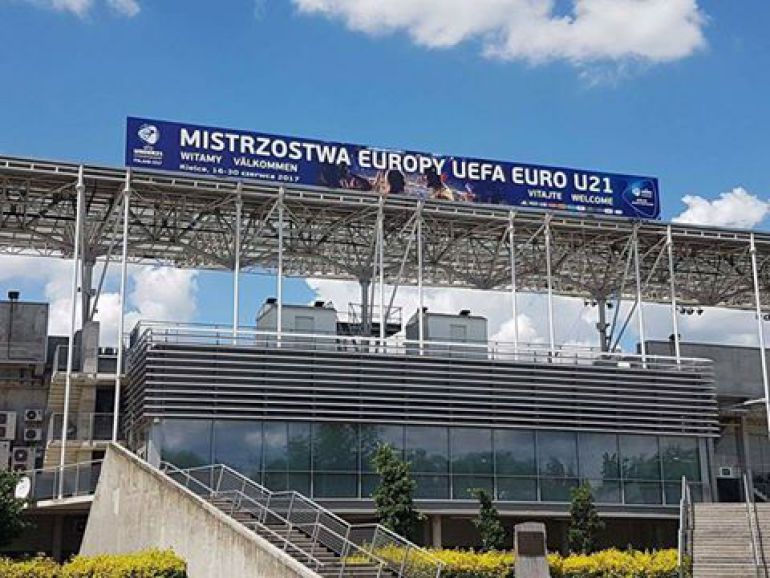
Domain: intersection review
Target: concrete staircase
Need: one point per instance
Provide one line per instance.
(722, 541)
(298, 544)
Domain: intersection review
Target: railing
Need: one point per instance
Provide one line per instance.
(88, 427)
(354, 544)
(398, 345)
(75, 480)
(760, 568)
(686, 528)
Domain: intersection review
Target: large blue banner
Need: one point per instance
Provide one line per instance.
(242, 155)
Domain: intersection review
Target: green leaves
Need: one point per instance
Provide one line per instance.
(393, 498)
(488, 522)
(12, 521)
(585, 524)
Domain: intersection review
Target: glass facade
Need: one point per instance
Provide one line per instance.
(333, 460)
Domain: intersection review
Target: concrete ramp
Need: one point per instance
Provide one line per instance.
(138, 507)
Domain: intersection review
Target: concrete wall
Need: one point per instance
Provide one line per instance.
(136, 507)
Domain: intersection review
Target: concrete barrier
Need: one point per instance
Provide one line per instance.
(137, 507)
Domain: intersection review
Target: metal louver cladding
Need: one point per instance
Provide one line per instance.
(301, 382)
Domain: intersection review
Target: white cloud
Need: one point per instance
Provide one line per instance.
(81, 8)
(575, 323)
(534, 31)
(736, 208)
(129, 8)
(155, 293)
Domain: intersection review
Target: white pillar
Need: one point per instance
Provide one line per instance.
(237, 264)
(514, 297)
(760, 327)
(420, 296)
(381, 265)
(122, 316)
(672, 283)
(279, 279)
(639, 309)
(435, 522)
(80, 189)
(549, 280)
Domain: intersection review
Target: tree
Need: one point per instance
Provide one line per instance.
(393, 497)
(11, 509)
(585, 524)
(488, 522)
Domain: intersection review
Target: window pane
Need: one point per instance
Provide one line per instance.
(238, 444)
(369, 483)
(299, 483)
(372, 435)
(432, 487)
(599, 456)
(299, 446)
(428, 448)
(276, 481)
(335, 447)
(515, 452)
(462, 486)
(557, 454)
(335, 485)
(517, 489)
(186, 443)
(680, 458)
(605, 491)
(275, 445)
(471, 451)
(557, 490)
(642, 492)
(640, 457)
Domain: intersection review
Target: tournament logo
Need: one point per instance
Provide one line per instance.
(149, 133)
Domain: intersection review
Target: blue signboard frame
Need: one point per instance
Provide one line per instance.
(249, 155)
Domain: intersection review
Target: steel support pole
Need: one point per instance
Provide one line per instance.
(279, 279)
(672, 283)
(122, 315)
(549, 282)
(237, 263)
(760, 328)
(639, 308)
(381, 266)
(80, 190)
(514, 296)
(420, 295)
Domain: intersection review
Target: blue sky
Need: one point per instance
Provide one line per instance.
(679, 90)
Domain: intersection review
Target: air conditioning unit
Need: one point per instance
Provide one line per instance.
(33, 415)
(7, 425)
(23, 459)
(727, 472)
(5, 455)
(33, 434)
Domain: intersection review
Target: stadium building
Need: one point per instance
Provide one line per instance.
(300, 399)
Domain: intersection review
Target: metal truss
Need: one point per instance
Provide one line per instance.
(193, 223)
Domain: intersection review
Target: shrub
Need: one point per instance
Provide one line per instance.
(36, 568)
(12, 521)
(488, 522)
(604, 564)
(393, 496)
(149, 564)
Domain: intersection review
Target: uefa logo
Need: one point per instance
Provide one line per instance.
(149, 133)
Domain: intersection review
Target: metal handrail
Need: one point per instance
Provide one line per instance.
(377, 531)
(170, 332)
(262, 526)
(760, 570)
(686, 523)
(46, 486)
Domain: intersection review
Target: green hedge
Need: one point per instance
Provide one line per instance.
(148, 564)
